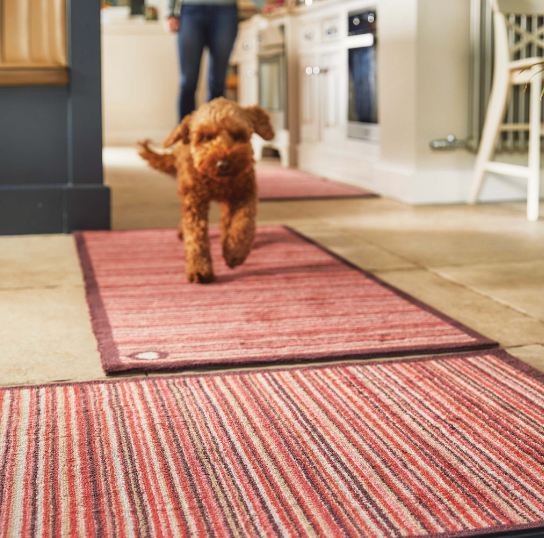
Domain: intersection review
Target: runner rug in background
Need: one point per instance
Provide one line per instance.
(444, 446)
(277, 183)
(290, 301)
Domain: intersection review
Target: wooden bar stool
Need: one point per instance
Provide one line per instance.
(508, 73)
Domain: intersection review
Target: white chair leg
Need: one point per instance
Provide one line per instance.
(533, 184)
(493, 121)
(257, 148)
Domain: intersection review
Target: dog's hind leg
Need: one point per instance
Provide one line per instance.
(198, 262)
(238, 221)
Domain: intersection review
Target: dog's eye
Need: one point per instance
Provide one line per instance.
(239, 136)
(208, 137)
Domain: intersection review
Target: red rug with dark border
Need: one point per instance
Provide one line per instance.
(281, 184)
(291, 301)
(435, 447)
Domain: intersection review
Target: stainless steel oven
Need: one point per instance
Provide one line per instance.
(273, 75)
(362, 98)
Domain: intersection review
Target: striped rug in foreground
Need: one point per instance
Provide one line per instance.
(442, 446)
(277, 183)
(290, 301)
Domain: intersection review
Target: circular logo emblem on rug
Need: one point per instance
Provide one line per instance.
(149, 355)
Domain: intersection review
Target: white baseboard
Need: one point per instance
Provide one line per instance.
(347, 167)
(409, 185)
(420, 187)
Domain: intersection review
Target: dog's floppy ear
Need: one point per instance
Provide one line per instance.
(181, 132)
(260, 120)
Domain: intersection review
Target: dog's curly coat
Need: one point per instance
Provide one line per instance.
(213, 159)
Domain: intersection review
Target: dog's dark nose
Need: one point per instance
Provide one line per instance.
(224, 166)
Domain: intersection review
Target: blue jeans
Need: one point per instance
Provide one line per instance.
(201, 25)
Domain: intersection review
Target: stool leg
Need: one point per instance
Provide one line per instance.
(493, 121)
(533, 184)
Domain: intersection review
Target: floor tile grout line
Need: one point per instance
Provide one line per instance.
(430, 270)
(479, 264)
(518, 346)
(42, 287)
(483, 294)
(369, 242)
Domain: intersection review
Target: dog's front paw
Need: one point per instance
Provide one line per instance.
(200, 277)
(234, 261)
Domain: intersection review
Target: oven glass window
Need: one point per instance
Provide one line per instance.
(362, 85)
(270, 83)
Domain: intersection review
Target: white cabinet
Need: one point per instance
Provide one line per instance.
(244, 59)
(320, 100)
(276, 77)
(322, 74)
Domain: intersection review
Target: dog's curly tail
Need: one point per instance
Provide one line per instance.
(164, 162)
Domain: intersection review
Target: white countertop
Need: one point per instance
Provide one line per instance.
(134, 26)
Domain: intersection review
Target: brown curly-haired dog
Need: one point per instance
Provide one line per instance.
(213, 159)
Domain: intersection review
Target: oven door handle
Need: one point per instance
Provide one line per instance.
(361, 40)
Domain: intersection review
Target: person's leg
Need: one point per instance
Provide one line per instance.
(191, 40)
(221, 36)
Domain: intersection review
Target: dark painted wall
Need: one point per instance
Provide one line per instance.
(51, 177)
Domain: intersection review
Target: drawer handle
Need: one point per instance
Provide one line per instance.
(308, 34)
(331, 30)
(246, 45)
(309, 70)
(250, 73)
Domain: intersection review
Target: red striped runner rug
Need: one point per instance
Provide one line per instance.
(290, 301)
(276, 184)
(440, 446)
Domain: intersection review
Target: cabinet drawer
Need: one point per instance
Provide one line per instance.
(330, 29)
(308, 34)
(248, 44)
(245, 47)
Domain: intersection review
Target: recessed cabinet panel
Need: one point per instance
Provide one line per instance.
(248, 83)
(330, 29)
(309, 95)
(245, 47)
(309, 34)
(330, 90)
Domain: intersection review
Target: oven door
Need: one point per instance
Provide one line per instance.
(362, 97)
(273, 87)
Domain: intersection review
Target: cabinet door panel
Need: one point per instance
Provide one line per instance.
(331, 86)
(308, 34)
(308, 98)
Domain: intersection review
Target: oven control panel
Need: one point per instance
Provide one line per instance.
(362, 23)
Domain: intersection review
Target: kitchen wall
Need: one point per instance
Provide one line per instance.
(140, 82)
(140, 79)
